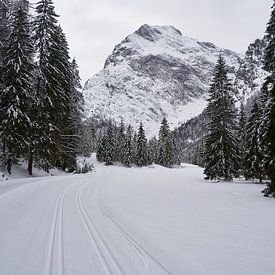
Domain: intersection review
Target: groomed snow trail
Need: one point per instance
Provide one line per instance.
(148, 221)
(60, 229)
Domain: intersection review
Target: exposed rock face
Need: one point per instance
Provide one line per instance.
(158, 72)
(250, 74)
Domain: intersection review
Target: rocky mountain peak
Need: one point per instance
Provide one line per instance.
(255, 51)
(156, 72)
(152, 33)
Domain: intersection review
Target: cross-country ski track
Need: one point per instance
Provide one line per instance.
(134, 221)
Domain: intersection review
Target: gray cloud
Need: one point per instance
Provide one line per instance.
(94, 27)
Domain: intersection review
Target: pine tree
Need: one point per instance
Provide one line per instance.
(221, 152)
(109, 148)
(4, 34)
(17, 97)
(163, 135)
(175, 150)
(253, 156)
(135, 137)
(242, 139)
(89, 142)
(68, 100)
(49, 108)
(72, 133)
(120, 142)
(269, 64)
(141, 150)
(268, 102)
(167, 150)
(100, 154)
(153, 150)
(127, 158)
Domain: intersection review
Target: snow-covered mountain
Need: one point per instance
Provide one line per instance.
(157, 71)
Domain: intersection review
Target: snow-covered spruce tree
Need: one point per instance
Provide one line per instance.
(71, 140)
(52, 86)
(4, 34)
(166, 146)
(135, 137)
(268, 103)
(221, 146)
(141, 149)
(100, 154)
(46, 134)
(253, 155)
(264, 139)
(109, 146)
(175, 150)
(242, 138)
(17, 97)
(163, 134)
(199, 155)
(59, 89)
(89, 142)
(128, 151)
(67, 90)
(120, 141)
(153, 150)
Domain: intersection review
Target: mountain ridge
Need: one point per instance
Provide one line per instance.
(156, 72)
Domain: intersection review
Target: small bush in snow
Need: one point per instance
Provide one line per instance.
(84, 166)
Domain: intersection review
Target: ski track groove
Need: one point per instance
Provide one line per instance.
(132, 244)
(54, 257)
(56, 239)
(144, 254)
(110, 264)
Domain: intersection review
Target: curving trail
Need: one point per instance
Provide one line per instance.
(64, 231)
(137, 221)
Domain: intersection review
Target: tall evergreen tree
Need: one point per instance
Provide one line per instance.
(253, 155)
(141, 150)
(46, 134)
(166, 156)
(100, 154)
(135, 138)
(268, 100)
(221, 151)
(72, 132)
(68, 99)
(17, 97)
(127, 159)
(109, 148)
(4, 34)
(242, 139)
(153, 150)
(120, 142)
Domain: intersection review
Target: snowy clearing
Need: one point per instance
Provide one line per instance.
(135, 221)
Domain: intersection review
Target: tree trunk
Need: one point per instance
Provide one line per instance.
(64, 165)
(30, 163)
(9, 164)
(47, 168)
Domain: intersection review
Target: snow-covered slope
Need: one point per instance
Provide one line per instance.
(156, 72)
(148, 221)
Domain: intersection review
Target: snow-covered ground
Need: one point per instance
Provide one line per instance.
(135, 221)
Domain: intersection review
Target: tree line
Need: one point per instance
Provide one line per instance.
(238, 143)
(122, 144)
(40, 102)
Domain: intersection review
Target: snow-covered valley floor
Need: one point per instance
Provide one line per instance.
(135, 221)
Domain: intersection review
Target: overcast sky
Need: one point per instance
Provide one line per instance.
(94, 27)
